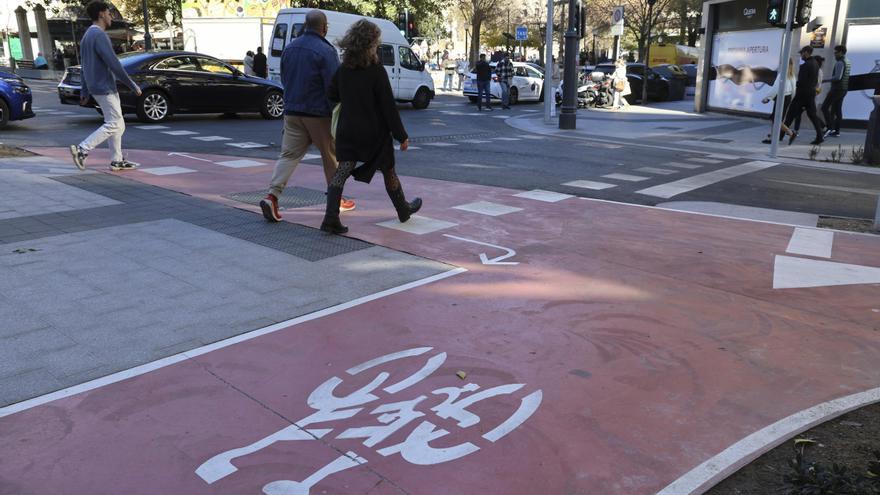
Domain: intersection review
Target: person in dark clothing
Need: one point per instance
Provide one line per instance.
(368, 120)
(484, 79)
(832, 107)
(261, 69)
(805, 95)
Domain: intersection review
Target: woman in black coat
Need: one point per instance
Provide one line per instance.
(367, 122)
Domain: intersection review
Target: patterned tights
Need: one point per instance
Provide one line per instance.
(343, 172)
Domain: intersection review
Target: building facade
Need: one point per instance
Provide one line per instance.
(740, 53)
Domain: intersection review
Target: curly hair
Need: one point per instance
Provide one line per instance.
(360, 44)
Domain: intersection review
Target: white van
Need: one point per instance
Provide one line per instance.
(409, 79)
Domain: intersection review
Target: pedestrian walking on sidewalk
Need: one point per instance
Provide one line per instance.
(832, 107)
(805, 94)
(100, 71)
(504, 71)
(249, 64)
(307, 67)
(774, 91)
(448, 71)
(261, 69)
(484, 79)
(463, 69)
(368, 120)
(620, 85)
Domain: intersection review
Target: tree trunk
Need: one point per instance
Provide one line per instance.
(476, 24)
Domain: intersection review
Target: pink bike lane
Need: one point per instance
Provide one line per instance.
(608, 349)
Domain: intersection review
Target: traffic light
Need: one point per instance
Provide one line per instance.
(776, 12)
(403, 24)
(412, 29)
(802, 13)
(580, 19)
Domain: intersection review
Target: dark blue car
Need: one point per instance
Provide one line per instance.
(15, 99)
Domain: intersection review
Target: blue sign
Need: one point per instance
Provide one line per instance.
(522, 33)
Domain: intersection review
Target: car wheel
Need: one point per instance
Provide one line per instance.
(421, 100)
(473, 99)
(514, 96)
(4, 113)
(273, 106)
(153, 106)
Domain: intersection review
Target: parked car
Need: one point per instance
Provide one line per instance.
(691, 71)
(526, 86)
(658, 86)
(677, 77)
(184, 82)
(15, 99)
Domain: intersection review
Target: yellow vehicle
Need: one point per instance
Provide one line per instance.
(673, 54)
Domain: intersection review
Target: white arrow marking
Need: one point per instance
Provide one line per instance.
(189, 156)
(794, 273)
(485, 259)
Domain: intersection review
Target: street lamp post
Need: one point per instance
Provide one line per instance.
(647, 52)
(148, 40)
(568, 115)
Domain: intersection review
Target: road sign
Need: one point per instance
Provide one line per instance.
(522, 33)
(617, 21)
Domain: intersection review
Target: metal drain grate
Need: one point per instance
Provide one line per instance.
(293, 197)
(452, 137)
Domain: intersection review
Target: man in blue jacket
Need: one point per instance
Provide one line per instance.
(307, 67)
(100, 71)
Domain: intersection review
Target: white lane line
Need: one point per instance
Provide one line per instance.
(720, 466)
(656, 170)
(529, 136)
(688, 166)
(441, 144)
(150, 127)
(588, 184)
(500, 117)
(671, 189)
(240, 163)
(811, 242)
(488, 208)
(212, 138)
(472, 165)
(167, 170)
(721, 156)
(507, 139)
(626, 177)
(545, 196)
(710, 161)
(397, 147)
(247, 145)
(474, 141)
(180, 133)
(199, 351)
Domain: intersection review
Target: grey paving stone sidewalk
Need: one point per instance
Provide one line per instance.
(124, 273)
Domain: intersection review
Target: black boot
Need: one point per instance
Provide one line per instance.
(404, 209)
(331, 221)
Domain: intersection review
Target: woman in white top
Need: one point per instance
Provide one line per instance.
(620, 84)
(249, 64)
(789, 90)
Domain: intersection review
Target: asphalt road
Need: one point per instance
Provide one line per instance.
(454, 142)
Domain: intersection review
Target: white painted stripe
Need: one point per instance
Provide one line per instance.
(688, 166)
(697, 181)
(199, 351)
(626, 177)
(212, 138)
(180, 133)
(439, 144)
(721, 156)
(474, 141)
(588, 184)
(722, 465)
(507, 139)
(811, 242)
(167, 170)
(150, 127)
(241, 163)
(247, 145)
(311, 156)
(656, 170)
(710, 161)
(545, 196)
(529, 136)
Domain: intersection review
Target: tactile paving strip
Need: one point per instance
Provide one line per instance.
(142, 203)
(293, 197)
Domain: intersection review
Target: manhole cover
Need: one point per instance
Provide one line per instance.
(293, 197)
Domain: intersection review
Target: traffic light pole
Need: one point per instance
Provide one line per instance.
(784, 58)
(549, 90)
(647, 54)
(568, 115)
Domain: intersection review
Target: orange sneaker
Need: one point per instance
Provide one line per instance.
(346, 204)
(270, 208)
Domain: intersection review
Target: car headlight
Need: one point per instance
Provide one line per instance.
(22, 90)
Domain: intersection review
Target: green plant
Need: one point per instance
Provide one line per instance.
(814, 152)
(812, 478)
(836, 155)
(857, 155)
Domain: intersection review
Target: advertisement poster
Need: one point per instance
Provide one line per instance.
(863, 53)
(233, 8)
(743, 69)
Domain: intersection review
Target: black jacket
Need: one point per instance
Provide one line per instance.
(808, 78)
(484, 71)
(368, 119)
(260, 68)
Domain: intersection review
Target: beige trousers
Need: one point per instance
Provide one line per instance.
(299, 134)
